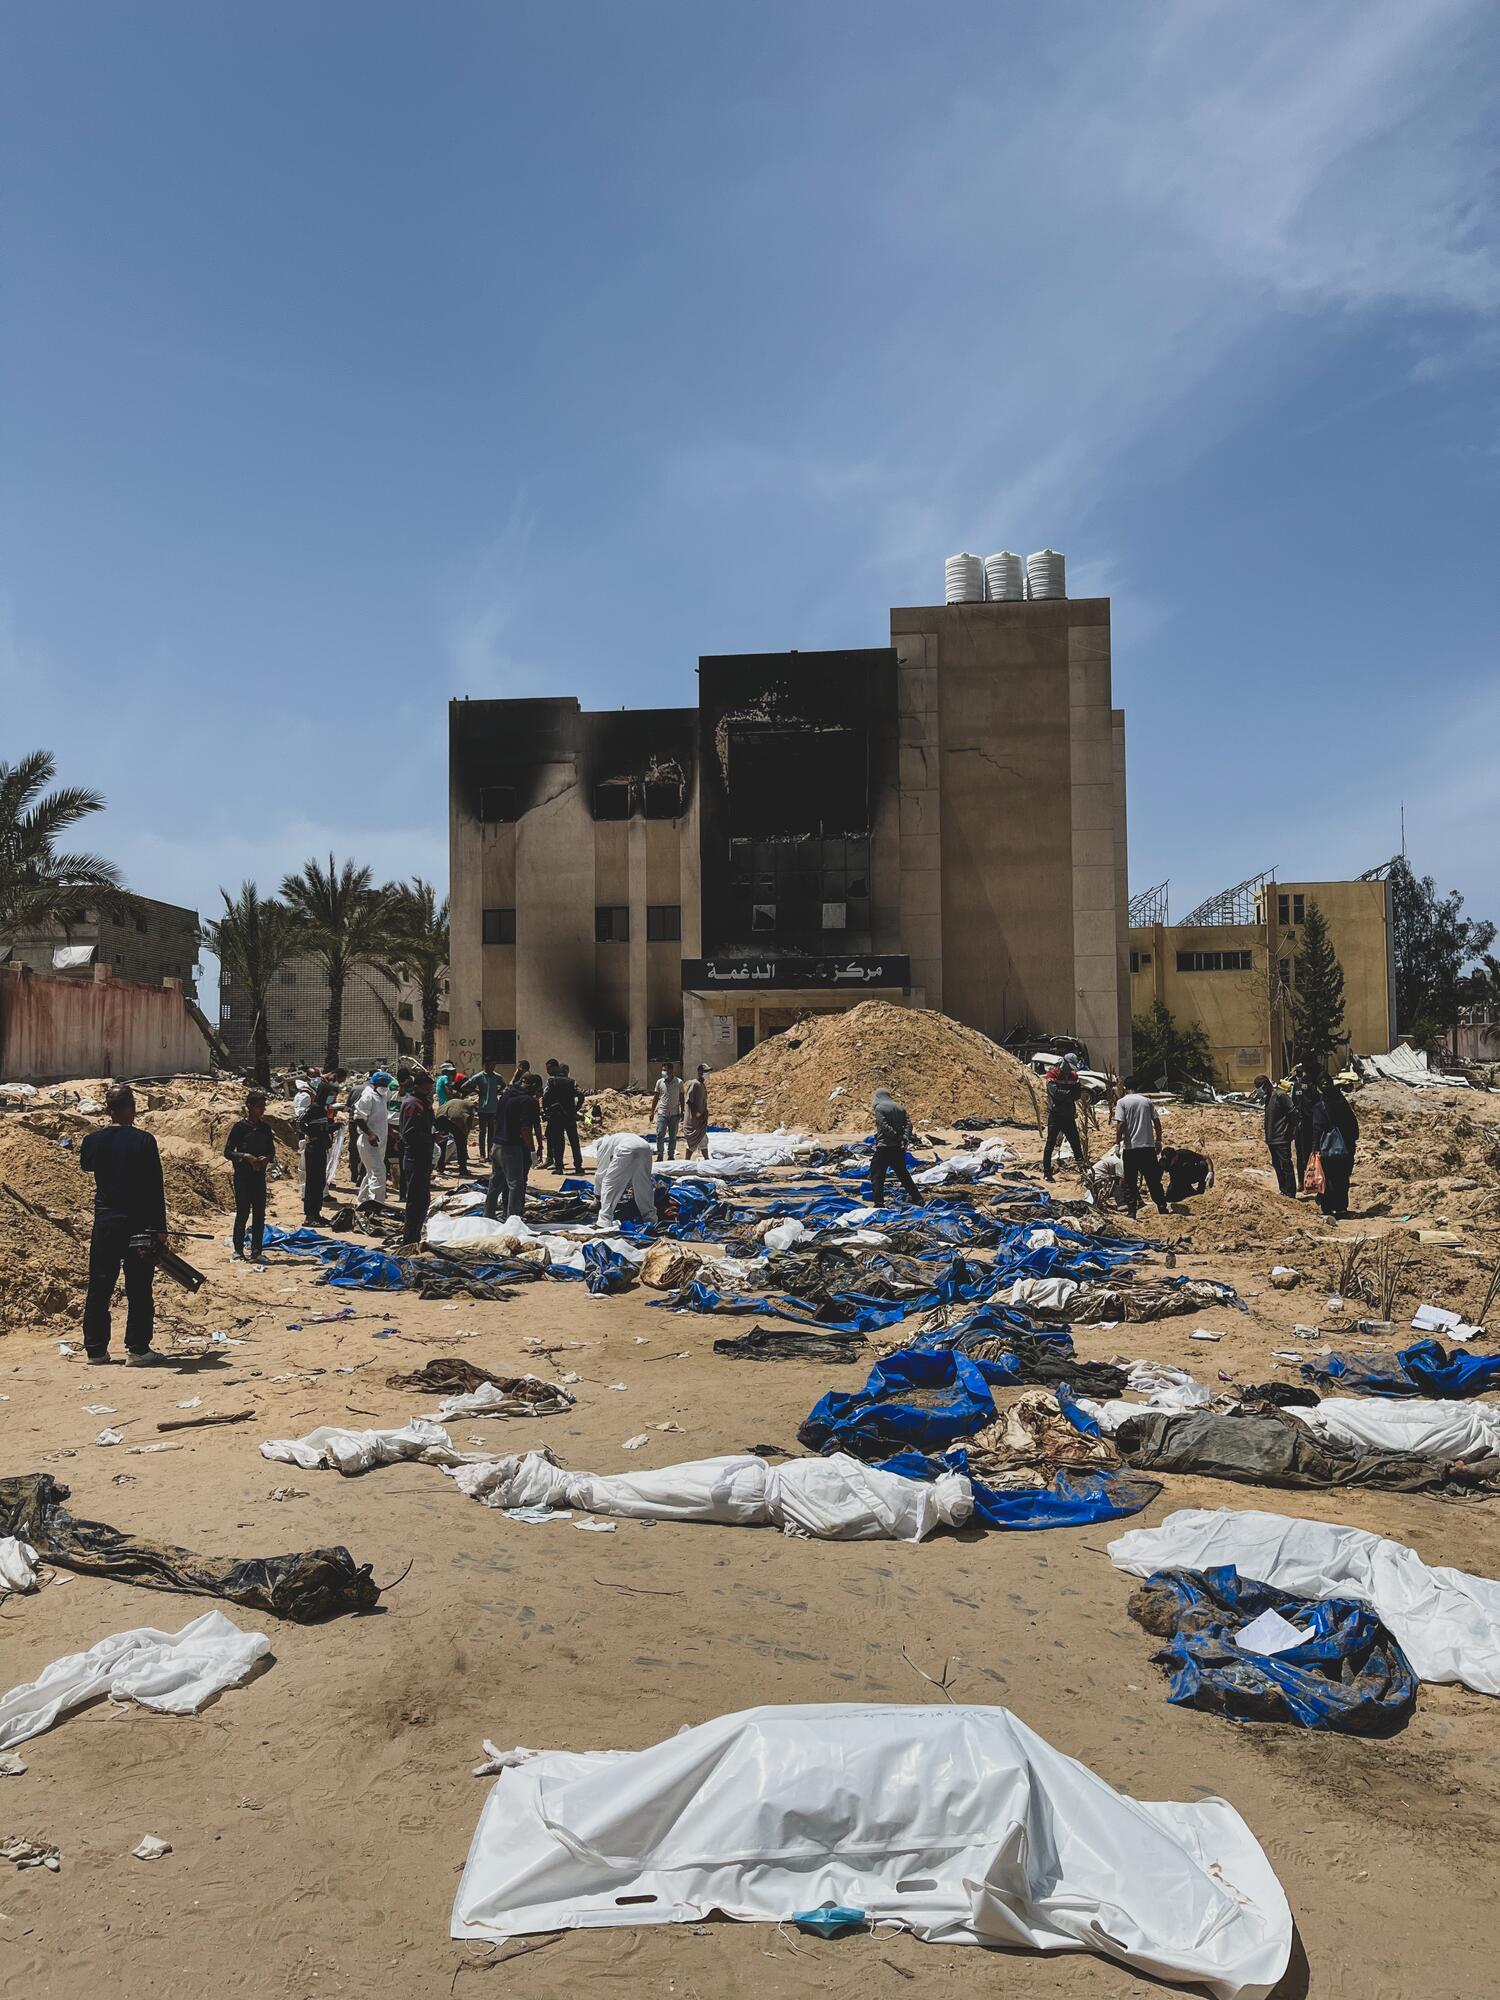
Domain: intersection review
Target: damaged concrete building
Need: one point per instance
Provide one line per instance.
(939, 822)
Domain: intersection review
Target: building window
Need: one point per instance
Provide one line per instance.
(497, 804)
(404, 1011)
(612, 799)
(612, 926)
(664, 1044)
(611, 1045)
(289, 979)
(226, 1010)
(1213, 961)
(498, 927)
(1291, 909)
(140, 924)
(664, 923)
(835, 916)
(1139, 959)
(78, 916)
(663, 798)
(763, 916)
(497, 1045)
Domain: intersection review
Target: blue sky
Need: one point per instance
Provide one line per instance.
(358, 355)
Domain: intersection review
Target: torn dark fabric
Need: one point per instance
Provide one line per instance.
(1282, 1395)
(769, 1343)
(1268, 1449)
(307, 1587)
(1348, 1674)
(1425, 1368)
(446, 1376)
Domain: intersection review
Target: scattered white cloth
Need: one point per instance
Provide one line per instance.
(736, 1155)
(330, 1447)
(834, 1498)
(152, 1848)
(974, 1163)
(174, 1672)
(1445, 1621)
(1168, 1392)
(782, 1235)
(18, 1562)
(1433, 1429)
(957, 1823)
(1045, 1294)
(490, 1400)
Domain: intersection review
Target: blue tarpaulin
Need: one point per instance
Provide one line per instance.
(605, 1270)
(1075, 1498)
(1424, 1369)
(912, 1401)
(347, 1263)
(1349, 1674)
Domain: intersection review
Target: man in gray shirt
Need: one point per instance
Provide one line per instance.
(1140, 1135)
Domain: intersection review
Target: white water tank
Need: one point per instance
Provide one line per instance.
(1046, 574)
(1004, 578)
(963, 580)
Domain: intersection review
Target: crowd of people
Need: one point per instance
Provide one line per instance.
(401, 1129)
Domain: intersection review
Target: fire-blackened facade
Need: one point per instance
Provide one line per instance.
(937, 822)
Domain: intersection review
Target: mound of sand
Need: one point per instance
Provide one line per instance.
(622, 1110)
(820, 1075)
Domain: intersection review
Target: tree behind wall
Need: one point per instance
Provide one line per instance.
(39, 886)
(1165, 1053)
(1432, 942)
(252, 941)
(1318, 1002)
(346, 922)
(420, 951)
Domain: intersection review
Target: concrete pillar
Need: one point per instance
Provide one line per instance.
(1096, 948)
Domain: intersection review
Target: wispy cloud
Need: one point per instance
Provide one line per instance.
(483, 606)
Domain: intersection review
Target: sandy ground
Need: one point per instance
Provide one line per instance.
(320, 1816)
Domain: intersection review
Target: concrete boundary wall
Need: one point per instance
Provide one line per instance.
(54, 1029)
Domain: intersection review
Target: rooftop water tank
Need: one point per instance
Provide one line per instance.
(1004, 578)
(963, 580)
(1046, 574)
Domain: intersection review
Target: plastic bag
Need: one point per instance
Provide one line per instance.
(1313, 1181)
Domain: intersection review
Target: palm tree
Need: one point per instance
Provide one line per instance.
(346, 922)
(252, 941)
(420, 951)
(39, 886)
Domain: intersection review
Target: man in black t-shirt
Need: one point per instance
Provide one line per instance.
(250, 1149)
(130, 1201)
(416, 1124)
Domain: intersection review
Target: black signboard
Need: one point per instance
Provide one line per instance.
(739, 972)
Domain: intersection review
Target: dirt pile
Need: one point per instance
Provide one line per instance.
(46, 1207)
(820, 1075)
(622, 1110)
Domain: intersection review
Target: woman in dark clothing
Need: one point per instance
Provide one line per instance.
(1335, 1136)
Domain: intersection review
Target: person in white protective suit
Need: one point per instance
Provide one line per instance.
(372, 1121)
(623, 1166)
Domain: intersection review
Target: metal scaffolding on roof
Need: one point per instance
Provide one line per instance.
(1232, 906)
(1150, 906)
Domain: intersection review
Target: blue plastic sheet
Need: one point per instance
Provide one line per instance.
(348, 1264)
(605, 1270)
(1424, 1369)
(1349, 1674)
(1075, 1499)
(883, 1415)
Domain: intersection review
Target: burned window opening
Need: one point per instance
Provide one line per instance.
(497, 804)
(798, 780)
(611, 1045)
(658, 792)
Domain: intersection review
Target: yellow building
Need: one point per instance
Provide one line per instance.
(1231, 968)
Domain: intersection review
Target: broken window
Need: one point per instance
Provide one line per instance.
(664, 1044)
(612, 799)
(662, 798)
(611, 1045)
(612, 923)
(497, 1045)
(497, 804)
(798, 780)
(498, 927)
(404, 1011)
(763, 916)
(664, 923)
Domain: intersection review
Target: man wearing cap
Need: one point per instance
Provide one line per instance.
(250, 1150)
(372, 1121)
